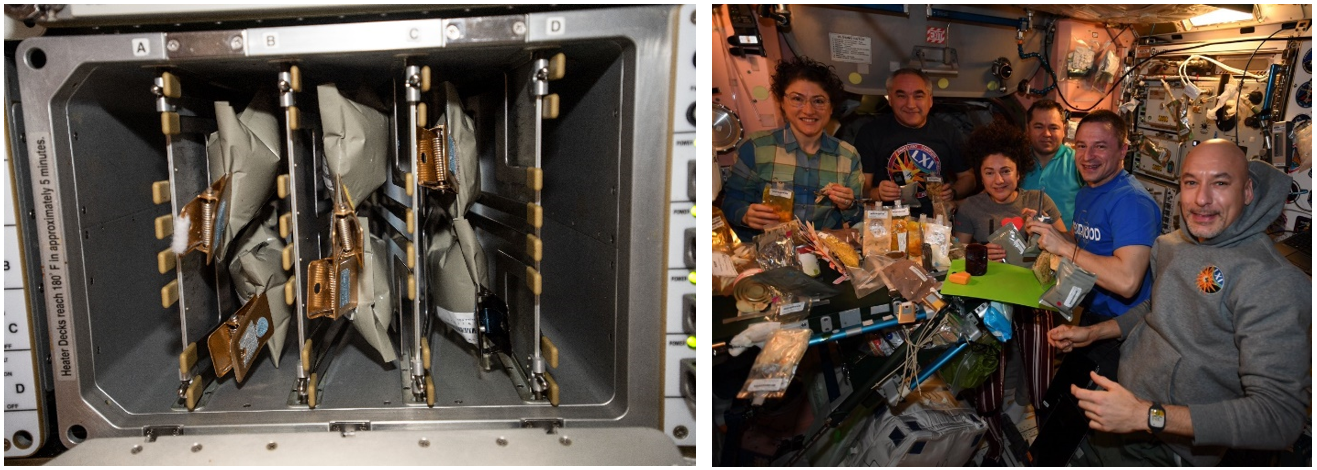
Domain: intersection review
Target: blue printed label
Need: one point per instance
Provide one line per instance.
(262, 326)
(343, 288)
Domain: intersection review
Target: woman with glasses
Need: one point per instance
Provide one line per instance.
(818, 172)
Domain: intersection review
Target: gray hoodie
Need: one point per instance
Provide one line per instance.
(1228, 333)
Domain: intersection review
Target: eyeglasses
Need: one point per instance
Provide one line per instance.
(797, 100)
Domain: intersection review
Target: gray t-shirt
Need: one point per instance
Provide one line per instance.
(979, 215)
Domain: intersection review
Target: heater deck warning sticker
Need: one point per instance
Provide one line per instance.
(50, 230)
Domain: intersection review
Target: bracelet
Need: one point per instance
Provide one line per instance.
(1074, 257)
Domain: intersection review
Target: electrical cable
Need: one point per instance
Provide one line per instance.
(1239, 114)
(1115, 84)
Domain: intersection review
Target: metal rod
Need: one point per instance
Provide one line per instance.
(942, 360)
(859, 331)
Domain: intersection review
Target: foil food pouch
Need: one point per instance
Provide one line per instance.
(457, 261)
(356, 137)
(257, 269)
(1009, 238)
(1072, 285)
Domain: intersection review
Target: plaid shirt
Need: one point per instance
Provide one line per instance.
(775, 155)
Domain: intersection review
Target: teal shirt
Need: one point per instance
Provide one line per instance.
(1060, 180)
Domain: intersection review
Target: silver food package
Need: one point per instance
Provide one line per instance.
(1010, 239)
(356, 136)
(374, 313)
(257, 267)
(1072, 284)
(457, 261)
(246, 148)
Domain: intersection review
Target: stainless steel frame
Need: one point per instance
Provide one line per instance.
(606, 164)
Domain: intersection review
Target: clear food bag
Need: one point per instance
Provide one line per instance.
(776, 365)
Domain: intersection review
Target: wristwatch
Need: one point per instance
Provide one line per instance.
(1156, 418)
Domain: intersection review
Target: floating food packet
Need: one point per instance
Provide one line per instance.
(1044, 268)
(776, 365)
(1009, 238)
(776, 249)
(996, 317)
(1072, 284)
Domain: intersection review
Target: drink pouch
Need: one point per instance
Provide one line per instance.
(1009, 238)
(1072, 285)
(780, 196)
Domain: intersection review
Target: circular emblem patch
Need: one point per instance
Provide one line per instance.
(1210, 280)
(913, 163)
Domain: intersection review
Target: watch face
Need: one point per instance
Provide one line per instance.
(1157, 418)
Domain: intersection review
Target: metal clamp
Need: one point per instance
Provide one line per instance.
(331, 290)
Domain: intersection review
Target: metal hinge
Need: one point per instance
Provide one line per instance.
(152, 432)
(549, 425)
(348, 428)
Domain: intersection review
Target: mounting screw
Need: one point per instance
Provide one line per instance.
(172, 45)
(136, 449)
(680, 432)
(271, 445)
(196, 447)
(519, 28)
(454, 33)
(236, 43)
(424, 442)
(501, 441)
(564, 440)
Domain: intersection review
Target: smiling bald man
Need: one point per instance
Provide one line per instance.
(1220, 356)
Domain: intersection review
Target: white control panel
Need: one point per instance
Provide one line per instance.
(679, 409)
(23, 429)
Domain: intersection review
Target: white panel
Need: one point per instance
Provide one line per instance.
(678, 413)
(679, 220)
(13, 264)
(16, 321)
(23, 421)
(676, 289)
(683, 154)
(20, 390)
(676, 350)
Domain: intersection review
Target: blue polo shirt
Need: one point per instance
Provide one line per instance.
(1059, 179)
(1117, 214)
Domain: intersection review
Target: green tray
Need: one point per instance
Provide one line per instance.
(1003, 283)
